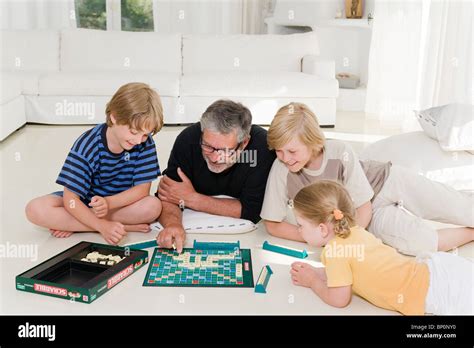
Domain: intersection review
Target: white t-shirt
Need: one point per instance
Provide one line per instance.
(363, 180)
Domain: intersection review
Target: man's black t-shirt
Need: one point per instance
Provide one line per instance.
(245, 180)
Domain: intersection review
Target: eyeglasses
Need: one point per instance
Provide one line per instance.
(222, 152)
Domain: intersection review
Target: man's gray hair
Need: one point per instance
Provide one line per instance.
(225, 116)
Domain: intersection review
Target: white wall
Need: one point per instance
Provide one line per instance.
(309, 10)
(347, 46)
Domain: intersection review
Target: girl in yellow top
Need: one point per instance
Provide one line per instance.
(355, 260)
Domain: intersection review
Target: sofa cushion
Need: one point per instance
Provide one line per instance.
(263, 84)
(30, 50)
(29, 81)
(10, 87)
(209, 53)
(105, 83)
(452, 125)
(97, 50)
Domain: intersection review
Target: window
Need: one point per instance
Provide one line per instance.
(137, 15)
(128, 15)
(91, 14)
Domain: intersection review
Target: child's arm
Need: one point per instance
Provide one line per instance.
(338, 296)
(321, 273)
(129, 196)
(364, 214)
(358, 186)
(102, 205)
(284, 230)
(306, 275)
(112, 231)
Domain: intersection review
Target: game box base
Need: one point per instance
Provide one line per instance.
(69, 276)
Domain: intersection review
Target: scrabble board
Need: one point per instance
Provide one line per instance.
(205, 268)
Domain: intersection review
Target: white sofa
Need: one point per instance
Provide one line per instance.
(68, 77)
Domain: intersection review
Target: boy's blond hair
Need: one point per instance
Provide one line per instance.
(318, 202)
(136, 105)
(295, 120)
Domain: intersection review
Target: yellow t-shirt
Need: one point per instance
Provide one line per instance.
(376, 272)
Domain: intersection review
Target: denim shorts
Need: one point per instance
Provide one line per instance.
(58, 193)
(61, 193)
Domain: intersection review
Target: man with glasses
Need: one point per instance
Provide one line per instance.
(223, 154)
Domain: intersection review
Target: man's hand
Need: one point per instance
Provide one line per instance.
(172, 234)
(112, 231)
(99, 206)
(173, 192)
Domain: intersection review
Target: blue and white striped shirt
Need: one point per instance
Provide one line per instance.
(91, 169)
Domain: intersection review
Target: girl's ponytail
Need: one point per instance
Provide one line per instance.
(340, 223)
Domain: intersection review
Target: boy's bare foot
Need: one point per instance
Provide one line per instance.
(137, 228)
(129, 228)
(60, 234)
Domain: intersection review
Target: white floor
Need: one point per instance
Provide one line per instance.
(30, 161)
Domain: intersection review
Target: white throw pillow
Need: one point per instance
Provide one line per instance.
(452, 125)
(199, 222)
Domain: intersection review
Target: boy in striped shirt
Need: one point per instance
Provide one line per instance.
(108, 172)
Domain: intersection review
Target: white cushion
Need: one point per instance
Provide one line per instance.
(29, 81)
(262, 84)
(10, 87)
(204, 223)
(33, 50)
(452, 125)
(428, 119)
(97, 50)
(417, 151)
(105, 83)
(263, 109)
(208, 53)
(325, 69)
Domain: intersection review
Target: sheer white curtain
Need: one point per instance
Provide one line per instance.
(37, 14)
(420, 56)
(446, 62)
(198, 16)
(211, 16)
(170, 16)
(253, 14)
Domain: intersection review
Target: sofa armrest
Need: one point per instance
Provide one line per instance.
(313, 65)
